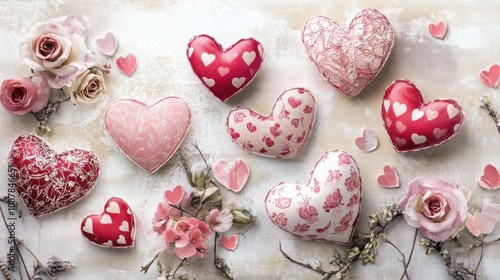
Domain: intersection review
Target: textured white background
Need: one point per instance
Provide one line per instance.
(157, 33)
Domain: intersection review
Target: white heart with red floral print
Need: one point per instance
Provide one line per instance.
(326, 209)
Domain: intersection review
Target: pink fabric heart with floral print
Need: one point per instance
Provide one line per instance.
(280, 134)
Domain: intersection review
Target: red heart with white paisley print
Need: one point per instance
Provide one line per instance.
(326, 209)
(47, 181)
(113, 228)
(349, 59)
(280, 134)
(225, 72)
(414, 125)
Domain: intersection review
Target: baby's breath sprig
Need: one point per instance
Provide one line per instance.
(486, 104)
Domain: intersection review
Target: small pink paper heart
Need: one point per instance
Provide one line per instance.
(230, 242)
(484, 222)
(368, 142)
(492, 77)
(108, 44)
(127, 64)
(438, 30)
(232, 175)
(389, 179)
(490, 179)
(174, 196)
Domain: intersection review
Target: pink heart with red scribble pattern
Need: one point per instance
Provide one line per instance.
(280, 134)
(326, 209)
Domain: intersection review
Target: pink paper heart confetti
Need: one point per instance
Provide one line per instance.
(484, 222)
(174, 196)
(230, 242)
(490, 180)
(438, 30)
(108, 44)
(368, 142)
(127, 64)
(492, 77)
(232, 175)
(389, 179)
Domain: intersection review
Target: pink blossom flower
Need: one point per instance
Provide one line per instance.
(57, 49)
(188, 235)
(19, 96)
(438, 208)
(163, 215)
(219, 221)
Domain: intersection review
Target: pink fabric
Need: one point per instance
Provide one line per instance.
(350, 59)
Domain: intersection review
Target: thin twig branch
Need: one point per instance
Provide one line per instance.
(486, 104)
(148, 265)
(481, 257)
(326, 274)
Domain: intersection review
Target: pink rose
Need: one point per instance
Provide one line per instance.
(438, 208)
(57, 49)
(19, 96)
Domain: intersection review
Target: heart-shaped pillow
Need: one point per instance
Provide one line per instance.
(280, 134)
(413, 125)
(326, 209)
(225, 72)
(350, 59)
(47, 181)
(113, 228)
(148, 135)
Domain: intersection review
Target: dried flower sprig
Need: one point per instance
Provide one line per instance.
(5, 271)
(54, 265)
(362, 248)
(486, 104)
(201, 210)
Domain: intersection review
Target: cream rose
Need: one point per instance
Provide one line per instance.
(438, 208)
(87, 88)
(57, 49)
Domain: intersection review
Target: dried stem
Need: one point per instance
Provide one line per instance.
(44, 115)
(177, 268)
(182, 209)
(148, 265)
(481, 256)
(486, 104)
(326, 274)
(405, 272)
(44, 269)
(219, 263)
(18, 253)
(202, 156)
(409, 257)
